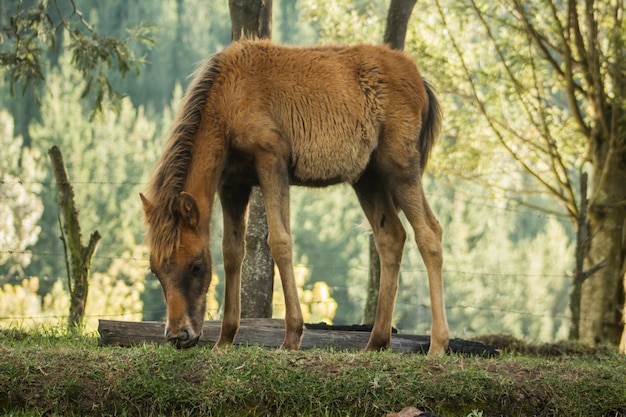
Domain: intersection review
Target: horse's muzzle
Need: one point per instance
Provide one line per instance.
(182, 339)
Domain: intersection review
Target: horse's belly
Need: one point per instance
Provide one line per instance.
(332, 136)
(314, 175)
(331, 160)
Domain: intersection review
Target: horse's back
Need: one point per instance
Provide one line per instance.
(329, 104)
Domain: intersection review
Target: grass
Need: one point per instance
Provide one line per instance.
(57, 375)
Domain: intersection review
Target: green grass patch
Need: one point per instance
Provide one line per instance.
(52, 374)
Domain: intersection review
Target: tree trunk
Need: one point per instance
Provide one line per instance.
(250, 18)
(79, 264)
(583, 240)
(622, 344)
(257, 283)
(582, 247)
(395, 33)
(373, 283)
(397, 22)
(253, 19)
(603, 293)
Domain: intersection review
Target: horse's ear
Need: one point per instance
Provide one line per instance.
(147, 206)
(189, 212)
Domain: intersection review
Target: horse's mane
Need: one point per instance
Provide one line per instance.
(170, 174)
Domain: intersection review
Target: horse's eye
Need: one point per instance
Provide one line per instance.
(196, 268)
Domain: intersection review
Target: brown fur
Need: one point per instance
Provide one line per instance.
(261, 114)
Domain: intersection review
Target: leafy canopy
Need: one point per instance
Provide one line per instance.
(31, 30)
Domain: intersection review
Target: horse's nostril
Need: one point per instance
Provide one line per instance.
(183, 336)
(181, 339)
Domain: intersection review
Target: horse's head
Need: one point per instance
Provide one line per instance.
(180, 258)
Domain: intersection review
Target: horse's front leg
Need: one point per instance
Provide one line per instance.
(274, 181)
(234, 202)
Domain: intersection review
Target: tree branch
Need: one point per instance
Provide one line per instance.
(556, 161)
(594, 52)
(566, 54)
(574, 25)
(483, 110)
(589, 272)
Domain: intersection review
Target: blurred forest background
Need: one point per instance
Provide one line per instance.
(508, 247)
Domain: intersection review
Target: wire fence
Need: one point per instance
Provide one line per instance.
(139, 314)
(479, 200)
(335, 289)
(460, 196)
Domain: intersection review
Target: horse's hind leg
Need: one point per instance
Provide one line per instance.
(428, 235)
(390, 236)
(234, 202)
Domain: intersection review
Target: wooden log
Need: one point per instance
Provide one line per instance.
(270, 333)
(264, 332)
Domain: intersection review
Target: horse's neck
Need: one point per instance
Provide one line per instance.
(204, 198)
(202, 181)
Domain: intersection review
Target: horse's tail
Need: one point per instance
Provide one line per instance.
(431, 124)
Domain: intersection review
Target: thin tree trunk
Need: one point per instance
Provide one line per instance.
(622, 344)
(253, 19)
(79, 263)
(582, 248)
(395, 34)
(397, 22)
(373, 283)
(257, 274)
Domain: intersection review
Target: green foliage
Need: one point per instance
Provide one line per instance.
(20, 206)
(347, 21)
(316, 303)
(107, 161)
(289, 26)
(112, 295)
(184, 32)
(20, 300)
(26, 29)
(328, 233)
(34, 28)
(94, 55)
(494, 274)
(506, 107)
